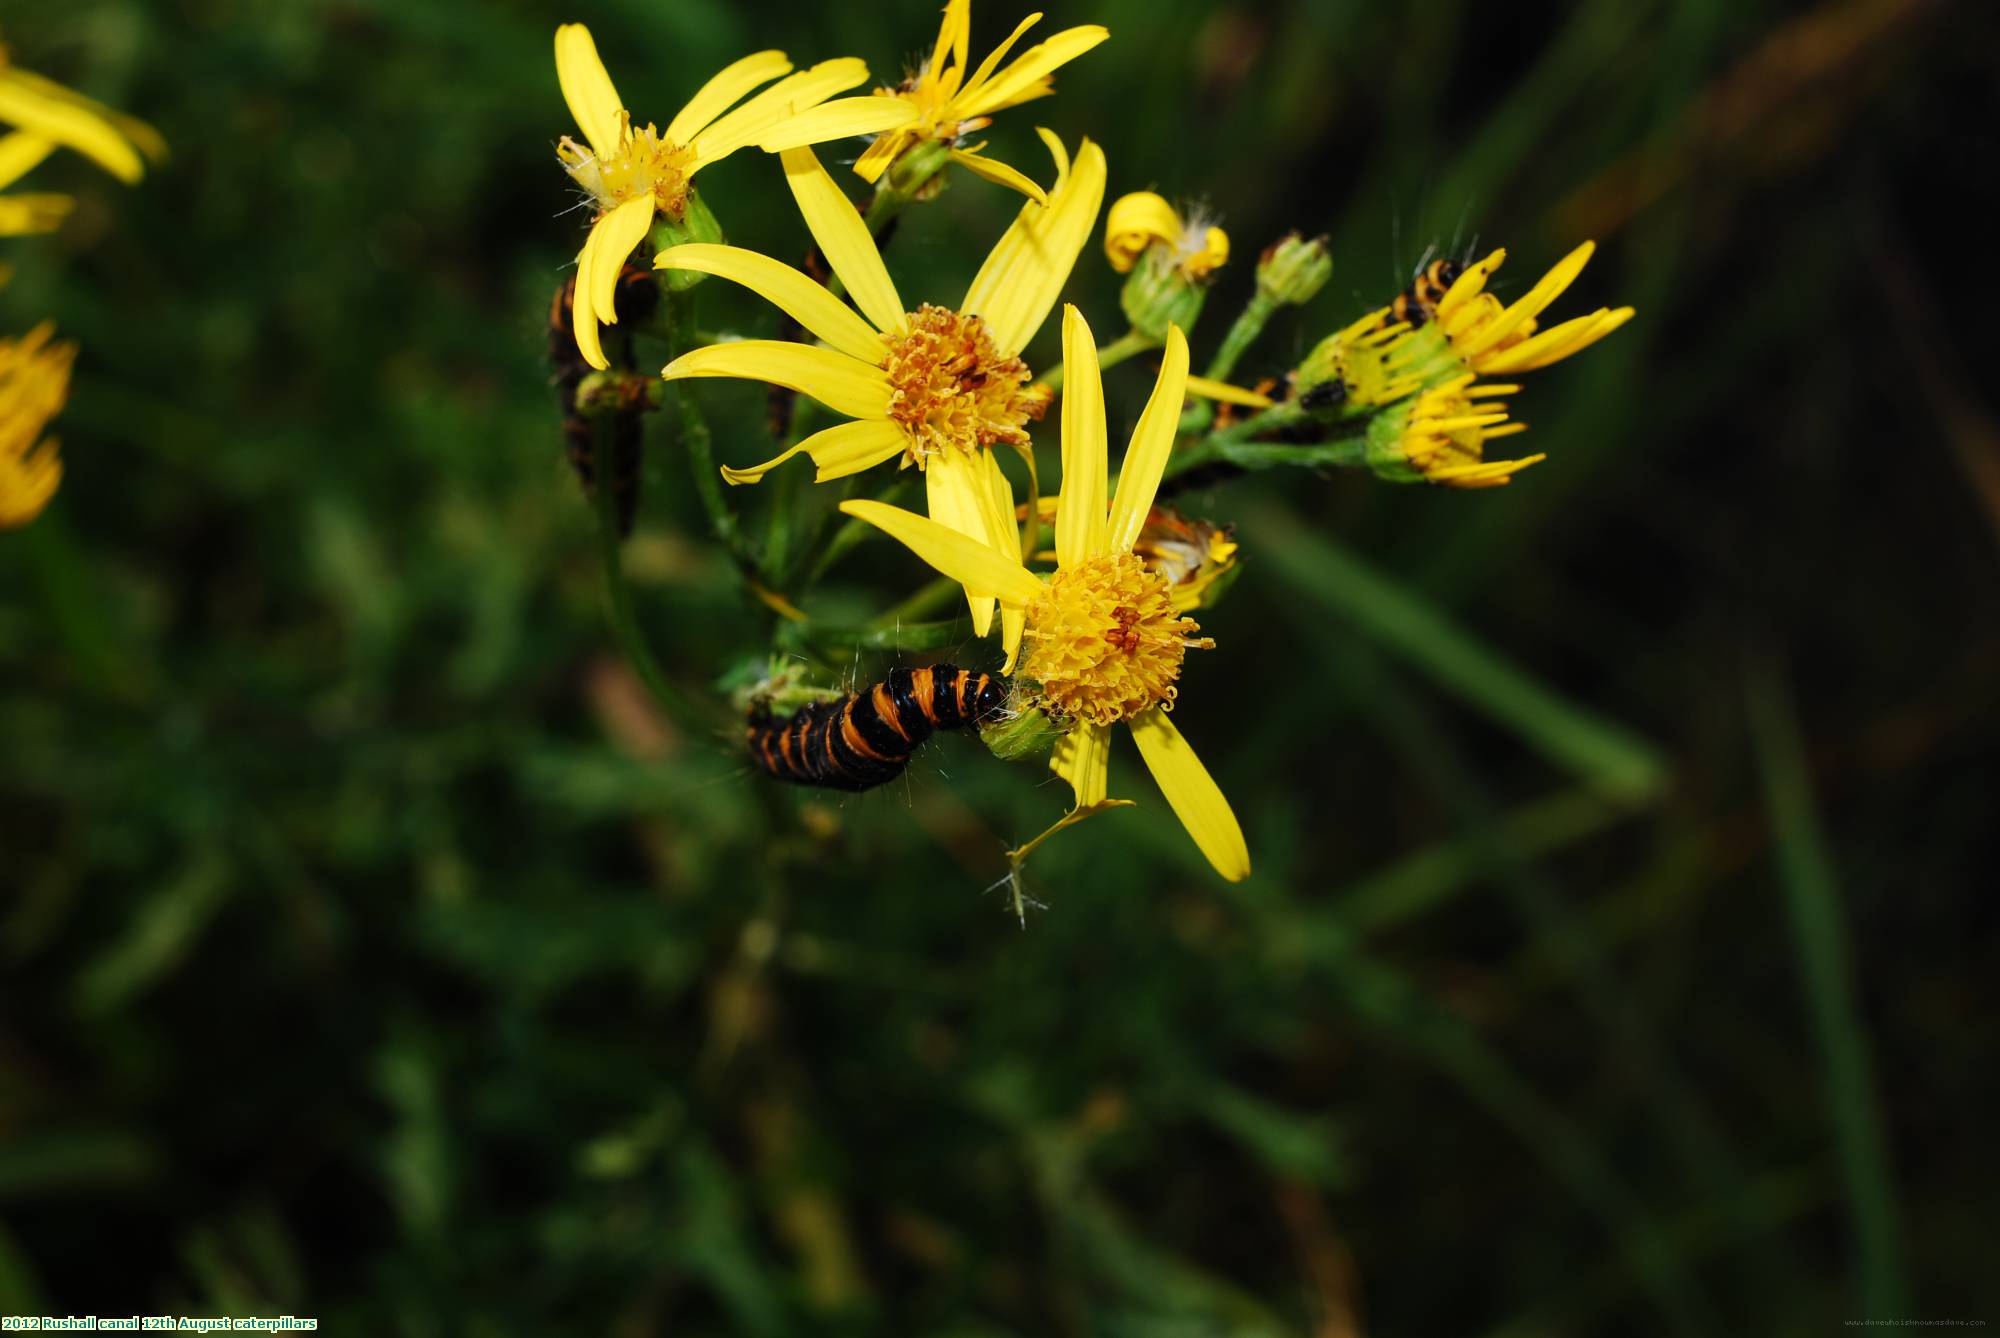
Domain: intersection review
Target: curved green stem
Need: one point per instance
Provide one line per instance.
(618, 592)
(1128, 345)
(1249, 324)
(1340, 453)
(700, 447)
(848, 637)
(935, 596)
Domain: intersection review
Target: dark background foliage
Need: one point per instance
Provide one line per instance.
(1615, 961)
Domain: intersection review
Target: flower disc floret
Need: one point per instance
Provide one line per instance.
(951, 388)
(645, 163)
(1105, 642)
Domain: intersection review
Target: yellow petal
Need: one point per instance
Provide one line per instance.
(997, 172)
(996, 55)
(617, 235)
(721, 92)
(136, 132)
(1224, 393)
(20, 153)
(1026, 77)
(1532, 302)
(967, 561)
(1557, 342)
(849, 448)
(875, 160)
(1083, 758)
(1193, 795)
(1000, 533)
(957, 497)
(756, 118)
(1152, 443)
(755, 473)
(26, 213)
(53, 112)
(843, 239)
(785, 288)
(954, 36)
(1470, 284)
(1022, 278)
(587, 88)
(583, 308)
(1133, 223)
(1080, 516)
(840, 450)
(843, 384)
(838, 119)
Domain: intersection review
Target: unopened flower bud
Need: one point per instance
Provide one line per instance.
(1024, 734)
(1293, 269)
(697, 223)
(1158, 295)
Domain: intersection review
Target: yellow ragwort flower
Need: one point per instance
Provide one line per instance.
(1100, 641)
(1190, 554)
(46, 117)
(949, 105)
(1142, 220)
(34, 382)
(937, 386)
(1471, 330)
(632, 174)
(1440, 436)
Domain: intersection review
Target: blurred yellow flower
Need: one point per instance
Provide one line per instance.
(1100, 641)
(34, 382)
(631, 173)
(947, 105)
(1497, 340)
(1142, 220)
(937, 386)
(1440, 436)
(46, 117)
(1193, 556)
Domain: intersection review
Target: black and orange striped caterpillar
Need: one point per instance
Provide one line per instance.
(1418, 303)
(636, 297)
(865, 739)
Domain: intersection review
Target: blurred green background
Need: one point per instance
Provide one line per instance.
(1615, 960)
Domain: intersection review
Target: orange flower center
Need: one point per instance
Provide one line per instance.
(951, 388)
(1104, 640)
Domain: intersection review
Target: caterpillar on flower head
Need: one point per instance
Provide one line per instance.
(636, 297)
(1417, 305)
(865, 738)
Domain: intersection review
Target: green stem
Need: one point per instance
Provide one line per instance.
(1249, 324)
(700, 448)
(1128, 345)
(849, 536)
(1340, 453)
(618, 592)
(1278, 416)
(1826, 968)
(933, 597)
(848, 637)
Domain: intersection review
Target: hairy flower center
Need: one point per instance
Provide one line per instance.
(1104, 640)
(646, 163)
(949, 387)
